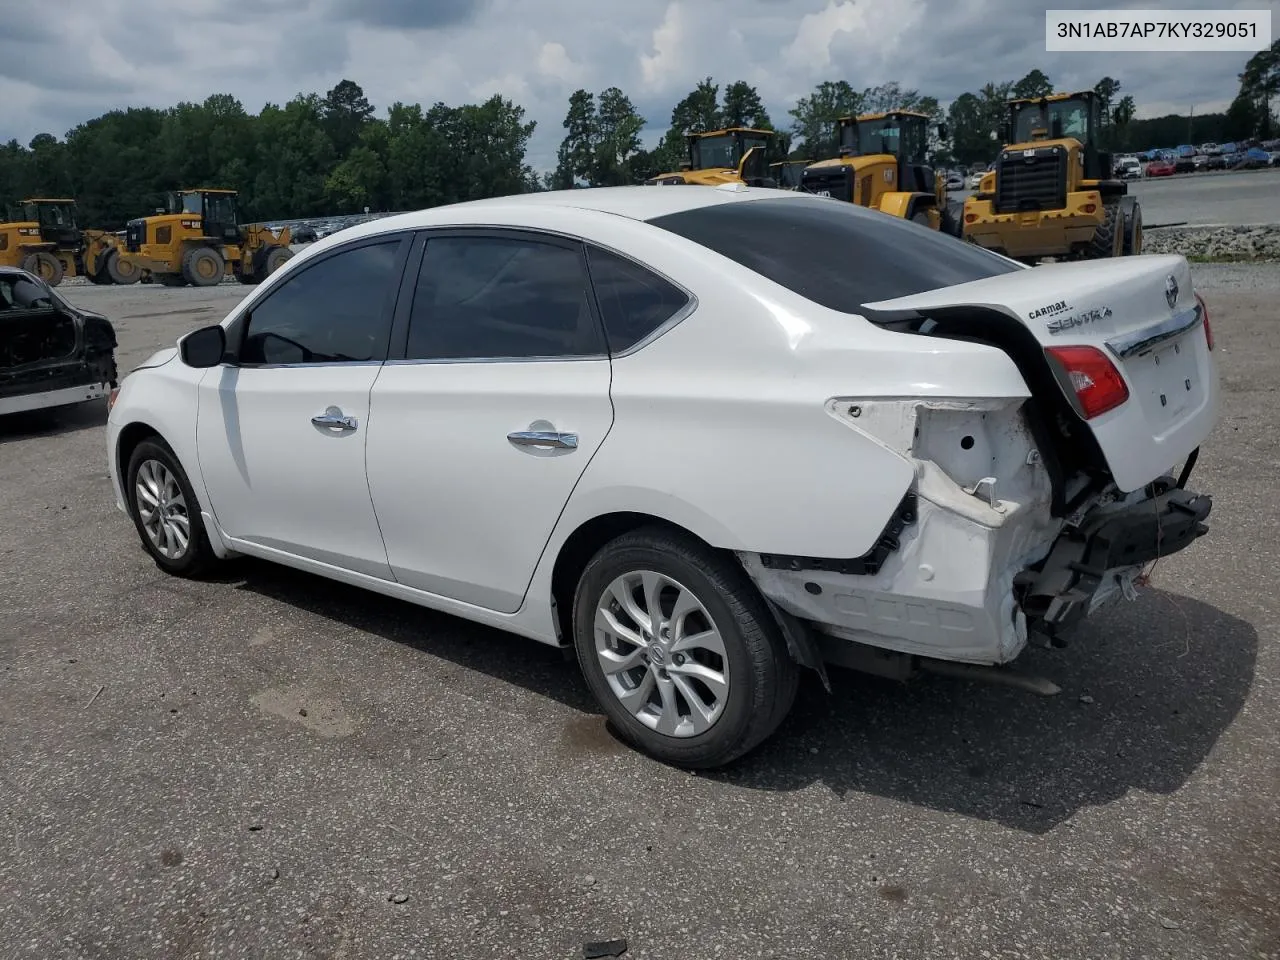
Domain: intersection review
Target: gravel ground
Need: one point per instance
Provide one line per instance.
(269, 765)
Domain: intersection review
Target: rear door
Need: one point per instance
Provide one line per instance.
(495, 400)
(1141, 315)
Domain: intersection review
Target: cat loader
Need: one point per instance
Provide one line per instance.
(882, 165)
(41, 236)
(199, 240)
(1052, 192)
(734, 155)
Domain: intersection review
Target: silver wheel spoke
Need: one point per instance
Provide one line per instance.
(621, 592)
(652, 584)
(706, 640)
(714, 679)
(701, 715)
(146, 497)
(669, 718)
(636, 698)
(621, 662)
(608, 622)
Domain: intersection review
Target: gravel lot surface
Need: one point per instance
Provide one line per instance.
(270, 765)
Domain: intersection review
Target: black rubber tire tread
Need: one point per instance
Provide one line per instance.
(1132, 232)
(199, 557)
(111, 266)
(276, 258)
(764, 678)
(189, 266)
(34, 261)
(248, 279)
(953, 219)
(1103, 245)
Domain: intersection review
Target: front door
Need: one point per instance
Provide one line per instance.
(283, 425)
(480, 432)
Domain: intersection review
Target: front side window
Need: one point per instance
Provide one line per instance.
(711, 153)
(191, 203)
(19, 293)
(481, 298)
(837, 254)
(221, 208)
(335, 311)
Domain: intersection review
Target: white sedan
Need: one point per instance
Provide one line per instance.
(708, 437)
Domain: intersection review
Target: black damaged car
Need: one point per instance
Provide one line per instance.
(52, 354)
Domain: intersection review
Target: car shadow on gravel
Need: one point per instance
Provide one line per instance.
(52, 422)
(1147, 689)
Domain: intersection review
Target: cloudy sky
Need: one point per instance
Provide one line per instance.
(57, 71)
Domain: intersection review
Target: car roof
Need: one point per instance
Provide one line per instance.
(639, 203)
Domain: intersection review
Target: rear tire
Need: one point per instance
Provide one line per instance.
(45, 266)
(121, 270)
(203, 267)
(726, 650)
(165, 511)
(1108, 239)
(1133, 232)
(170, 279)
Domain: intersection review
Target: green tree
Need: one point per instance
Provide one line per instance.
(970, 134)
(1260, 82)
(1034, 84)
(744, 108)
(815, 117)
(578, 148)
(618, 129)
(345, 111)
(1244, 117)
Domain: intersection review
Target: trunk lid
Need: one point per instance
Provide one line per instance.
(1142, 314)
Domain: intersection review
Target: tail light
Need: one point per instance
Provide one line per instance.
(1204, 315)
(1097, 383)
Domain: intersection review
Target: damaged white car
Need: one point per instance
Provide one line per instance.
(707, 437)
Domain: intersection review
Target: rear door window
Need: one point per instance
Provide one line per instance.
(502, 298)
(835, 253)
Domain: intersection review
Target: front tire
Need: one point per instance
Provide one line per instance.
(1133, 232)
(121, 270)
(165, 511)
(45, 266)
(1108, 239)
(704, 681)
(203, 267)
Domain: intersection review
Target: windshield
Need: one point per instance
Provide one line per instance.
(1032, 120)
(711, 152)
(808, 246)
(900, 136)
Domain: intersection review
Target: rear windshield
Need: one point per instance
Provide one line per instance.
(835, 253)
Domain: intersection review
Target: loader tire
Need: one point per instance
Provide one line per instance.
(203, 267)
(275, 259)
(1133, 232)
(953, 219)
(1108, 239)
(170, 279)
(121, 270)
(45, 266)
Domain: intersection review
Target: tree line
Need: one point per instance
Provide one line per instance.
(323, 155)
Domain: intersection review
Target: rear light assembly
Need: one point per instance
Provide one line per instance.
(1204, 316)
(1095, 380)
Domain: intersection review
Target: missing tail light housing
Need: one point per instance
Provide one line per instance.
(1204, 316)
(1095, 382)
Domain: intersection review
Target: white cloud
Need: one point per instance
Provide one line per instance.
(118, 53)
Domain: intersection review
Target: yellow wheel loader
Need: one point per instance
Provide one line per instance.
(734, 155)
(786, 173)
(1053, 192)
(882, 165)
(41, 236)
(199, 240)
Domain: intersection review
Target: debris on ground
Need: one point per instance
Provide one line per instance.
(604, 948)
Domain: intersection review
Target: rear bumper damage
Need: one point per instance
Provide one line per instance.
(974, 562)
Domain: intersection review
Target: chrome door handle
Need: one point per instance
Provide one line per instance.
(544, 438)
(335, 421)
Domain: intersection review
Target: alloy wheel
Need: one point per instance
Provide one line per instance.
(162, 508)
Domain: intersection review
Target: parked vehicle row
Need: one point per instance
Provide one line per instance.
(1208, 156)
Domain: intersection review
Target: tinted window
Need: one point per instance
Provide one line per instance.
(501, 297)
(833, 252)
(336, 310)
(634, 302)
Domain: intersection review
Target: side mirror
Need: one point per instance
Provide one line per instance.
(204, 347)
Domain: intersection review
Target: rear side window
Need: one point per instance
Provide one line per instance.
(483, 298)
(634, 302)
(837, 254)
(333, 312)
